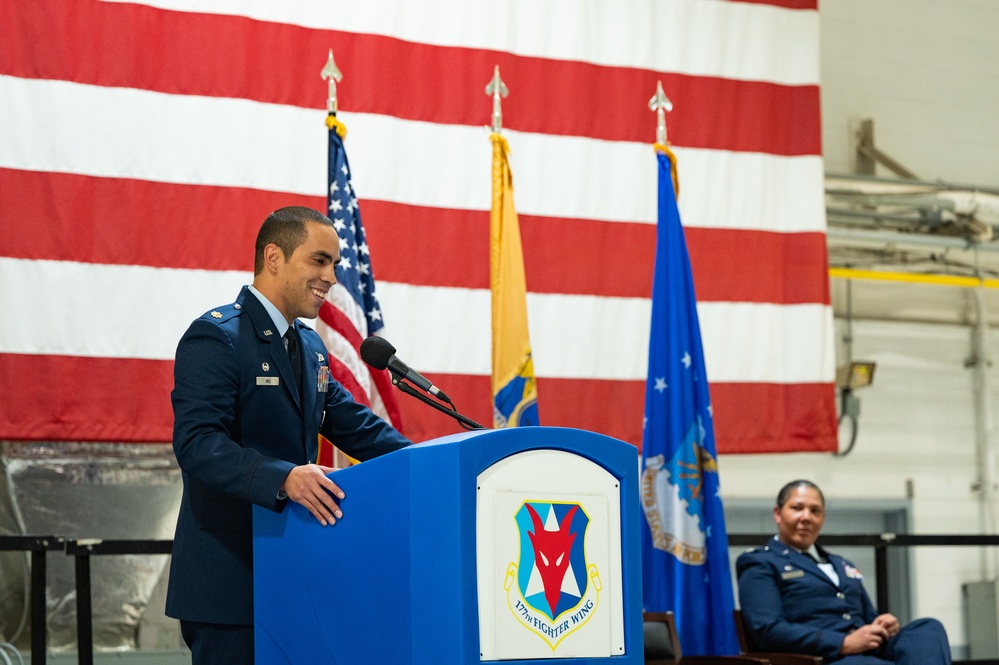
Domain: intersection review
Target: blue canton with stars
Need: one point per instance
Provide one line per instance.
(354, 271)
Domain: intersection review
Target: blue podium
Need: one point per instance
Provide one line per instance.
(515, 545)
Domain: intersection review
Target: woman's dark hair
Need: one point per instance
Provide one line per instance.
(785, 492)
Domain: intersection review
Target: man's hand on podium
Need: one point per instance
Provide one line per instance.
(309, 486)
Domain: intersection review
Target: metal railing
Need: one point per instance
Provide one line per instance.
(82, 549)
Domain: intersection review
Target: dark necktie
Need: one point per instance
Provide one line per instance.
(295, 356)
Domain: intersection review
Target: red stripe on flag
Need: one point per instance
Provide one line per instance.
(129, 400)
(70, 398)
(775, 417)
(786, 4)
(595, 257)
(758, 266)
(67, 217)
(345, 378)
(382, 382)
(749, 417)
(338, 321)
(752, 116)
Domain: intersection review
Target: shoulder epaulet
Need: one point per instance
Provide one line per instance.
(756, 550)
(223, 313)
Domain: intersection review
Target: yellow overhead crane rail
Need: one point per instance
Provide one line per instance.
(914, 278)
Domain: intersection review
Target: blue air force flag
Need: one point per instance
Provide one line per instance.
(684, 547)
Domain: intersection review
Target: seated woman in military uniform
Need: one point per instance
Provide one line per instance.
(797, 597)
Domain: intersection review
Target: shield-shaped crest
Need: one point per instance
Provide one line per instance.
(673, 498)
(552, 574)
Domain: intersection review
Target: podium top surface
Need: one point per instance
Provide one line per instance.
(589, 444)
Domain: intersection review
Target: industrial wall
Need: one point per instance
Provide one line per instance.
(927, 73)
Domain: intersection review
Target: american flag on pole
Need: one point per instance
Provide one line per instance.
(142, 143)
(351, 311)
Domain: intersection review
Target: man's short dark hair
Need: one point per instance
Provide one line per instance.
(285, 228)
(785, 492)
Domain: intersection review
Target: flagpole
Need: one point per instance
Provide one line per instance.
(497, 89)
(514, 389)
(661, 104)
(331, 73)
(685, 564)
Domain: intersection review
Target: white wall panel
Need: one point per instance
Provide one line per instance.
(926, 71)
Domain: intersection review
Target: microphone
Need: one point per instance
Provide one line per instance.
(380, 354)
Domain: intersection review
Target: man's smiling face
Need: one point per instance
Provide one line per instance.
(304, 278)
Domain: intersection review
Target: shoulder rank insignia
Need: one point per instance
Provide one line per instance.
(216, 314)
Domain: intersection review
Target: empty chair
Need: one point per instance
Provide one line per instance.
(662, 645)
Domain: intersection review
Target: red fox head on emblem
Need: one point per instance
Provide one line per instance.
(551, 553)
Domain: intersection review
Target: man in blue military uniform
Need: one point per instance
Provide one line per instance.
(252, 392)
(797, 597)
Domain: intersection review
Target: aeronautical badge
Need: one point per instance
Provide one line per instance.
(852, 572)
(552, 590)
(216, 314)
(323, 379)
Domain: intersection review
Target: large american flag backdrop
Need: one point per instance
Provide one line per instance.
(141, 145)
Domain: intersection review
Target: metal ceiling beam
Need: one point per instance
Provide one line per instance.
(914, 241)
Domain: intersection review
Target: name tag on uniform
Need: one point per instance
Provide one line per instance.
(794, 574)
(268, 380)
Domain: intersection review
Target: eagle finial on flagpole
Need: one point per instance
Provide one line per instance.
(660, 103)
(497, 89)
(332, 74)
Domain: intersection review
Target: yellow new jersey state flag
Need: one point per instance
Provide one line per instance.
(515, 395)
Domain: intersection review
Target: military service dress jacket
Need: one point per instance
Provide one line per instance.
(240, 426)
(789, 604)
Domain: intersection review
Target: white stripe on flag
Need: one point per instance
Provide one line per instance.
(141, 312)
(734, 40)
(93, 130)
(109, 311)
